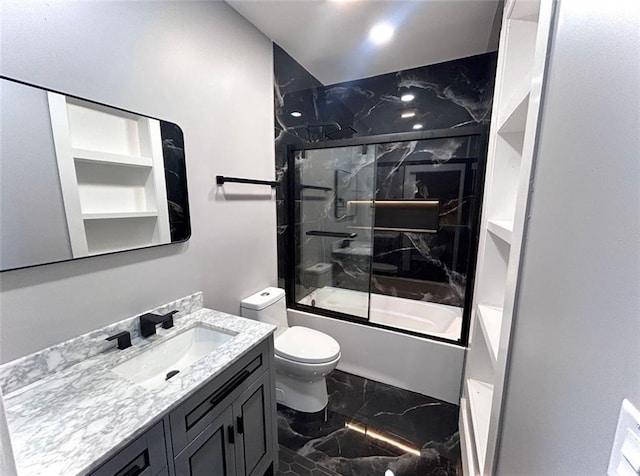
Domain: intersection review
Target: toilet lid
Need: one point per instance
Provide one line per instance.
(302, 344)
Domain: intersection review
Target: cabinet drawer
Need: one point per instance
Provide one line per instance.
(146, 456)
(191, 418)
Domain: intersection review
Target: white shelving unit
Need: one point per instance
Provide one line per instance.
(97, 156)
(490, 318)
(111, 172)
(521, 64)
(503, 229)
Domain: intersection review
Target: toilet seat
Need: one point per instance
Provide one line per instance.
(301, 344)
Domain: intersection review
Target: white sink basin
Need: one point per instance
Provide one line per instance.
(150, 368)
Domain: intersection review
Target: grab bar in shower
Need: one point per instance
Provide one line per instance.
(221, 180)
(331, 234)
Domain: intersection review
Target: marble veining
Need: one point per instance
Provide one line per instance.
(370, 427)
(448, 95)
(73, 420)
(34, 367)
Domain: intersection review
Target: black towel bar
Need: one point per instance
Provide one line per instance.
(221, 180)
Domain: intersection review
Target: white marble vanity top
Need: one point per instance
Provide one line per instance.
(75, 418)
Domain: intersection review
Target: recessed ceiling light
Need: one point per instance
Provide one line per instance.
(407, 114)
(296, 114)
(407, 97)
(381, 33)
(418, 126)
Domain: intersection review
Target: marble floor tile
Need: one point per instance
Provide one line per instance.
(369, 428)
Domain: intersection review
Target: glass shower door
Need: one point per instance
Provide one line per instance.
(334, 191)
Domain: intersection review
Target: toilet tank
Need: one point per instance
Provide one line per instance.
(268, 305)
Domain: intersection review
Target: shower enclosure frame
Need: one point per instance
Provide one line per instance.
(293, 195)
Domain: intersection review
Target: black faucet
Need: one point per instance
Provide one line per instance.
(148, 323)
(124, 339)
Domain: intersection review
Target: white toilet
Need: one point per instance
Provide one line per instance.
(303, 356)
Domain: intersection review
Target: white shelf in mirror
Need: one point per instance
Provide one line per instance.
(87, 155)
(112, 176)
(118, 215)
(503, 229)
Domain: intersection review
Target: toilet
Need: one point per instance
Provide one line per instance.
(303, 356)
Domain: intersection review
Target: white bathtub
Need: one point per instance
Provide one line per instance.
(424, 317)
(420, 364)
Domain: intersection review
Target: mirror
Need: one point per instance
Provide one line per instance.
(81, 179)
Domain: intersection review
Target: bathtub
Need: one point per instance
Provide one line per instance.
(424, 317)
(419, 364)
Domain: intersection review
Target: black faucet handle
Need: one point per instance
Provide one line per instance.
(149, 321)
(167, 322)
(124, 339)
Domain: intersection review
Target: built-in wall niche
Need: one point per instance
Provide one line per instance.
(516, 108)
(115, 180)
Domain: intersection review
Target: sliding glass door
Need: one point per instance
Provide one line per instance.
(385, 231)
(334, 190)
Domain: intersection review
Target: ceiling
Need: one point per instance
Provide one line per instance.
(330, 37)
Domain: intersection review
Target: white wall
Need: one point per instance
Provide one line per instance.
(198, 64)
(576, 343)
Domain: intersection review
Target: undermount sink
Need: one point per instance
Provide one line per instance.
(154, 367)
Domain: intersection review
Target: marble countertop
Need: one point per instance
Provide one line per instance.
(73, 420)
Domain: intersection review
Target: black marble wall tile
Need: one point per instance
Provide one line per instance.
(447, 95)
(429, 266)
(451, 94)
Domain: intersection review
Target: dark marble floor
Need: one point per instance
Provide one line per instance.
(293, 464)
(370, 428)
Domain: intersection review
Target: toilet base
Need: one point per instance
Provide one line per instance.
(308, 397)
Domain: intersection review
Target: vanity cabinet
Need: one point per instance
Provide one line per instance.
(230, 422)
(236, 442)
(226, 428)
(210, 452)
(252, 425)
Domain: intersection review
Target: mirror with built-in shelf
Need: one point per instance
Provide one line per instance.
(80, 179)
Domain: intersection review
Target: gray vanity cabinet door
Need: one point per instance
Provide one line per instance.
(212, 452)
(252, 413)
(206, 404)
